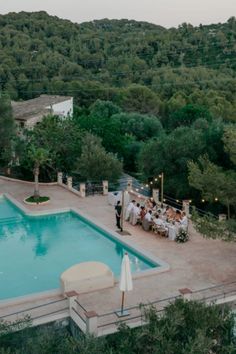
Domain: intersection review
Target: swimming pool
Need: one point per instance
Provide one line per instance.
(35, 250)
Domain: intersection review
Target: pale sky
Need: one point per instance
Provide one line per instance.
(166, 13)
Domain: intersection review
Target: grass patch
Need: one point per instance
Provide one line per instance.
(37, 200)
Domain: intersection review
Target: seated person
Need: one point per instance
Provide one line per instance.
(178, 215)
(158, 221)
(170, 214)
(148, 204)
(154, 205)
(165, 210)
(142, 212)
(147, 221)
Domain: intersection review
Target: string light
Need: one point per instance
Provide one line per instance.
(146, 185)
(155, 179)
(216, 199)
(151, 182)
(190, 201)
(136, 189)
(203, 200)
(142, 187)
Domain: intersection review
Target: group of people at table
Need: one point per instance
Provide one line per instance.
(160, 219)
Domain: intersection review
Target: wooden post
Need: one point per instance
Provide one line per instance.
(162, 187)
(122, 302)
(129, 185)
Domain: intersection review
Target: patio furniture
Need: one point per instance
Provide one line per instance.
(160, 230)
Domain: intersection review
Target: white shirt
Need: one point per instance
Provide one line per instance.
(184, 221)
(130, 207)
(136, 210)
(148, 217)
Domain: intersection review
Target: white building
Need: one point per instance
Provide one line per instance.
(30, 112)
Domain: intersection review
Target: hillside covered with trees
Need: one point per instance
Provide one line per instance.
(148, 98)
(140, 66)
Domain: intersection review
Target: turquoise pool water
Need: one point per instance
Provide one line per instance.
(34, 251)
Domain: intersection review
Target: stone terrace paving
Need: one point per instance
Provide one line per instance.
(197, 264)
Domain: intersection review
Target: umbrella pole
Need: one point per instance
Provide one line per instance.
(122, 302)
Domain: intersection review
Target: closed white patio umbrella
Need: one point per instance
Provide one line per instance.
(126, 283)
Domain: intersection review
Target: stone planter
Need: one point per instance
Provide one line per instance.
(40, 203)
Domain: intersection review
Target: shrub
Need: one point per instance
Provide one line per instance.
(182, 236)
(37, 200)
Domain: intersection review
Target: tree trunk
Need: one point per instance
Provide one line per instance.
(36, 182)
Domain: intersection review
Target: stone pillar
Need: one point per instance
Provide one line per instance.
(69, 182)
(105, 187)
(71, 295)
(155, 195)
(82, 190)
(186, 293)
(129, 185)
(91, 322)
(222, 217)
(186, 207)
(59, 177)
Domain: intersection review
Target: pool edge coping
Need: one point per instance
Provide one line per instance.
(162, 265)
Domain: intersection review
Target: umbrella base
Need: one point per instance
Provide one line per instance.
(123, 233)
(123, 313)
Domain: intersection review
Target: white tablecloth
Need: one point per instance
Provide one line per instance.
(172, 231)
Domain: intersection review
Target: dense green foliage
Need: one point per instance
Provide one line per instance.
(157, 98)
(7, 130)
(185, 327)
(95, 163)
(214, 182)
(210, 227)
(140, 66)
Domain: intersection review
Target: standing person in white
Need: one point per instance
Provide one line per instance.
(135, 214)
(129, 209)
